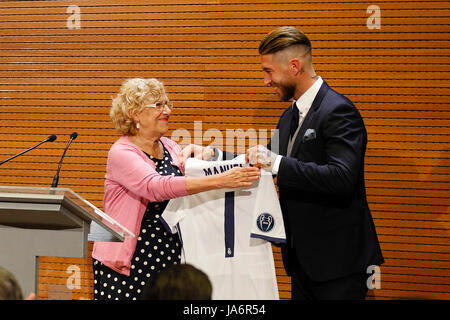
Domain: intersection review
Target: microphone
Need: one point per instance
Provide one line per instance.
(73, 136)
(50, 138)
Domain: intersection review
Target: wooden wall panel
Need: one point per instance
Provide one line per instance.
(55, 80)
(65, 278)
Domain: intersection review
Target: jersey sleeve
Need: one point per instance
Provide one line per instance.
(267, 218)
(173, 214)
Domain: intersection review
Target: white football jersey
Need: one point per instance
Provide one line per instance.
(225, 233)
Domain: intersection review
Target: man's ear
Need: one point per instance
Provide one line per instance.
(296, 66)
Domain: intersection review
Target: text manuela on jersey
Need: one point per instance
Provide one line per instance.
(220, 169)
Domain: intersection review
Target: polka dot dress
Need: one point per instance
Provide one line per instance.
(156, 249)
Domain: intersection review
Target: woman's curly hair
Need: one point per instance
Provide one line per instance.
(131, 99)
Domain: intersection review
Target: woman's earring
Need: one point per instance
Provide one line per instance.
(137, 125)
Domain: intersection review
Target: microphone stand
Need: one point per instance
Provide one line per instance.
(51, 139)
(73, 136)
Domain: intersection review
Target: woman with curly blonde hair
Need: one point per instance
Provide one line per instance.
(144, 170)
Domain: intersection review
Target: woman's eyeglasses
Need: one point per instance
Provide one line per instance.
(159, 106)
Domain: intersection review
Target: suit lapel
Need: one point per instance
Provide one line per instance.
(312, 112)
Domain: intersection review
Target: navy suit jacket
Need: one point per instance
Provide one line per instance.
(328, 223)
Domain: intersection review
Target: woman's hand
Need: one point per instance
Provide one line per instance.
(196, 151)
(234, 178)
(238, 177)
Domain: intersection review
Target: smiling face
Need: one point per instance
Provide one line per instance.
(278, 76)
(154, 122)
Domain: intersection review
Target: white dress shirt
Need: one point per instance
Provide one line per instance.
(303, 104)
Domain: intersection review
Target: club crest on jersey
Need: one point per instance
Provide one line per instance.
(265, 222)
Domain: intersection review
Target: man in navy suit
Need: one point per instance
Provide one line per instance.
(318, 158)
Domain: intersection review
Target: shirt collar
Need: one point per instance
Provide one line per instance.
(305, 101)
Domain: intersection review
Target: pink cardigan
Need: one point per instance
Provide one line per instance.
(130, 182)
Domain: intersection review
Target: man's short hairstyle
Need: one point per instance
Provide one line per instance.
(285, 37)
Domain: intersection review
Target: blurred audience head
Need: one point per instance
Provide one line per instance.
(9, 287)
(178, 282)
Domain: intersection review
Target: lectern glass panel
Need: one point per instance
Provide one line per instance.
(53, 208)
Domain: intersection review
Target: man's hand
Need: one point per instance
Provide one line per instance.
(196, 151)
(261, 157)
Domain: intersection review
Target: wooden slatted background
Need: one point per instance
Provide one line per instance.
(56, 79)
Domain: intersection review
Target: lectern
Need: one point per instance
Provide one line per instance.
(48, 222)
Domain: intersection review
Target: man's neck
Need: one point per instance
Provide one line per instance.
(304, 84)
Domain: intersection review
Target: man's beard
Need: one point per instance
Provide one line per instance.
(286, 91)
